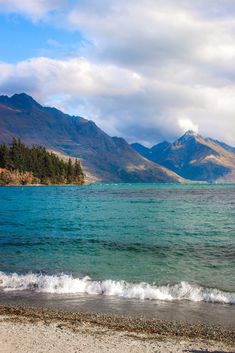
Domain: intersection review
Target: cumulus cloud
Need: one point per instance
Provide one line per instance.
(75, 77)
(150, 70)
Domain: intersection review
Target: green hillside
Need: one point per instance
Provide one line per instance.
(24, 165)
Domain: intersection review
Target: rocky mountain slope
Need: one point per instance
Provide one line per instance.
(103, 157)
(194, 157)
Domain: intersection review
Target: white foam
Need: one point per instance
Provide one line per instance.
(66, 284)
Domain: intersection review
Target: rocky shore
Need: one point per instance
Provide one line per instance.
(92, 332)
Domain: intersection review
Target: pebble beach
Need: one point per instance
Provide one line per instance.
(40, 330)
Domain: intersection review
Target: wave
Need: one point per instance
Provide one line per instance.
(67, 284)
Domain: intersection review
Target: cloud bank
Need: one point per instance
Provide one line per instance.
(148, 71)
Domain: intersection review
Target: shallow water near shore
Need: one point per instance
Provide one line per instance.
(184, 312)
(152, 249)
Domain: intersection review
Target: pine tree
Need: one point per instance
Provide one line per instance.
(70, 172)
(78, 173)
(5, 160)
(41, 166)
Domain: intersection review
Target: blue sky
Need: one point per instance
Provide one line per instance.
(146, 70)
(21, 39)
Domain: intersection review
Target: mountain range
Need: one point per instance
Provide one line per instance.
(194, 157)
(103, 157)
(106, 158)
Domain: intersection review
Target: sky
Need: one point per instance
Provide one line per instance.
(146, 70)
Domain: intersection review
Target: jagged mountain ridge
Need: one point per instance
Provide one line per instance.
(194, 157)
(222, 144)
(105, 158)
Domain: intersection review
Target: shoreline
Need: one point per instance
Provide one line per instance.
(46, 330)
(23, 185)
(87, 183)
(119, 322)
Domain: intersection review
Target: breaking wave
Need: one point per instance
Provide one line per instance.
(66, 284)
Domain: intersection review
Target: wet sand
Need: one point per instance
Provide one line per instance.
(40, 330)
(183, 311)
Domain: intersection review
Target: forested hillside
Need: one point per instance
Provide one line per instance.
(20, 164)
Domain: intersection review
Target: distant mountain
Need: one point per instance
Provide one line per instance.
(194, 157)
(150, 153)
(103, 157)
(144, 151)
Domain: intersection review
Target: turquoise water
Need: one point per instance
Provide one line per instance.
(159, 234)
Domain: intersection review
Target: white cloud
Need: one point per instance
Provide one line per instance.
(74, 77)
(186, 124)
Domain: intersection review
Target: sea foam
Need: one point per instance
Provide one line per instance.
(67, 284)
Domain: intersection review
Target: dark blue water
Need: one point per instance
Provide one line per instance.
(177, 239)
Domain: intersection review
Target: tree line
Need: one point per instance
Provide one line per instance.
(39, 165)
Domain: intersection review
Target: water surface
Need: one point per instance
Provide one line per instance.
(177, 239)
